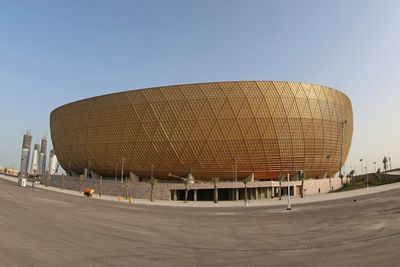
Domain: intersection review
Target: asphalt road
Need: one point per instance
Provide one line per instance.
(45, 228)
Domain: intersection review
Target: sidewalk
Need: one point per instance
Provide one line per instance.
(254, 203)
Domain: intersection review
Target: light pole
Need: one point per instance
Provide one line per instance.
(235, 158)
(341, 150)
(116, 170)
(385, 168)
(362, 172)
(375, 166)
(235, 168)
(366, 171)
(122, 171)
(289, 207)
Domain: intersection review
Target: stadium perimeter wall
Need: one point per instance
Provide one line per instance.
(163, 191)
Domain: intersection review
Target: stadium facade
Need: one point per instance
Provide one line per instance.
(219, 129)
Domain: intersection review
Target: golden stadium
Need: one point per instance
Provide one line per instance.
(210, 130)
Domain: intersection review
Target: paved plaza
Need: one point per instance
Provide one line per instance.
(48, 228)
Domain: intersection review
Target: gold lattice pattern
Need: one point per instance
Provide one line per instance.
(269, 127)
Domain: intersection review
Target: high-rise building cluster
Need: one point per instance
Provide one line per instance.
(39, 155)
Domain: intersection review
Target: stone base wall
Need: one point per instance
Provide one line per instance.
(162, 191)
(110, 187)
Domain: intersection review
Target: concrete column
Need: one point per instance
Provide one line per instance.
(236, 194)
(256, 192)
(195, 194)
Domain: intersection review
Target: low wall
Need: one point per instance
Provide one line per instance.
(162, 191)
(378, 178)
(109, 187)
(317, 186)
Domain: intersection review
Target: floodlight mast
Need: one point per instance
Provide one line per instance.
(341, 150)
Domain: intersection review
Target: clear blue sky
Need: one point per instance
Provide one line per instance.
(54, 52)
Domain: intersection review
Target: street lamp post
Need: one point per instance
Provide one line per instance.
(341, 150)
(235, 158)
(289, 207)
(235, 168)
(375, 166)
(122, 171)
(327, 172)
(366, 170)
(385, 168)
(116, 170)
(362, 172)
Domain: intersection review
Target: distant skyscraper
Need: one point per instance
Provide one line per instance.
(53, 163)
(35, 160)
(25, 154)
(42, 157)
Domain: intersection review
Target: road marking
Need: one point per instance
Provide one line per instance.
(52, 201)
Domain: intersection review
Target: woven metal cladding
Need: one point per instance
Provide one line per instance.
(270, 127)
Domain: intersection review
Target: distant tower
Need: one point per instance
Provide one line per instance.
(35, 160)
(42, 156)
(25, 153)
(53, 162)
